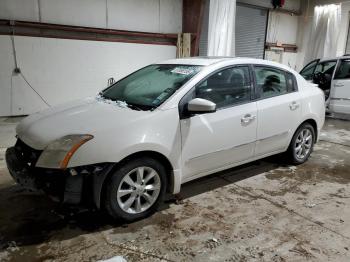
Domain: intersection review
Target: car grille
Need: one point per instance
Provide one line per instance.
(26, 154)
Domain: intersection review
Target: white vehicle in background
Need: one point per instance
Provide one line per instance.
(333, 77)
(164, 125)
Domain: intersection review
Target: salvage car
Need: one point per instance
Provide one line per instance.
(333, 77)
(162, 126)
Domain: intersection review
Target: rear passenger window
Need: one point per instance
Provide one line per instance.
(272, 82)
(344, 70)
(291, 82)
(227, 87)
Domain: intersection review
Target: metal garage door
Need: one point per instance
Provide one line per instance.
(250, 31)
(251, 25)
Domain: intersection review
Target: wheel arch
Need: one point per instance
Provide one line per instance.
(313, 123)
(310, 121)
(99, 188)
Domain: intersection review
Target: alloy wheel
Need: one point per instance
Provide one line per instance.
(303, 143)
(138, 190)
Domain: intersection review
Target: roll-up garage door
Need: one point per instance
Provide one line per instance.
(250, 31)
(251, 25)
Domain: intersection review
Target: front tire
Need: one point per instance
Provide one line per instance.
(302, 144)
(135, 189)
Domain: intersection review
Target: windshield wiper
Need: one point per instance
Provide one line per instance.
(140, 107)
(134, 107)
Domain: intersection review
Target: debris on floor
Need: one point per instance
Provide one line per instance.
(263, 211)
(114, 259)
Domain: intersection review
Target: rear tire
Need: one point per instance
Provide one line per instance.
(135, 189)
(302, 144)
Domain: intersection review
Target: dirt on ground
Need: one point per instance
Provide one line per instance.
(262, 211)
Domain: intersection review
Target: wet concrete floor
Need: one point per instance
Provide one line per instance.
(263, 211)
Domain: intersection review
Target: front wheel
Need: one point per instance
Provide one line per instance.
(136, 189)
(302, 144)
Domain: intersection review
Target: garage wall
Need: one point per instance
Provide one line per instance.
(250, 31)
(291, 5)
(305, 23)
(60, 70)
(159, 16)
(283, 29)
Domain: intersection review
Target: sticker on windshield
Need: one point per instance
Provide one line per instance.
(160, 97)
(182, 71)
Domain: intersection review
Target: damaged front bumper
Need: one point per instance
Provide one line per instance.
(81, 185)
(19, 171)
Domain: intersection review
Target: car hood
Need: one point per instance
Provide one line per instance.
(87, 116)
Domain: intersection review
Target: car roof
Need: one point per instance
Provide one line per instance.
(347, 56)
(211, 60)
(197, 60)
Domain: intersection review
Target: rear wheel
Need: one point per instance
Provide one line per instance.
(302, 144)
(136, 189)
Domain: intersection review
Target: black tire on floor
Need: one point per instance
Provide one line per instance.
(291, 153)
(110, 201)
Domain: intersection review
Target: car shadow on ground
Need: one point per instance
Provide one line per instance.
(28, 218)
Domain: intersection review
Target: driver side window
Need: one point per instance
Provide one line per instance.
(308, 71)
(227, 87)
(326, 67)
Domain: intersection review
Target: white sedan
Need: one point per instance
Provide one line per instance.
(162, 126)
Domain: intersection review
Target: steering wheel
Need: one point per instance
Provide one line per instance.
(320, 79)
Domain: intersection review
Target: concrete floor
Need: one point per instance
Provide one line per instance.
(264, 211)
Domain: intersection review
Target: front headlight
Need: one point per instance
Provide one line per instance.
(59, 152)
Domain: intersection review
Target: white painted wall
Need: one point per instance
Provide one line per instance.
(61, 70)
(164, 16)
(283, 28)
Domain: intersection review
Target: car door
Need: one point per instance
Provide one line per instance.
(340, 89)
(214, 141)
(323, 75)
(279, 109)
(308, 71)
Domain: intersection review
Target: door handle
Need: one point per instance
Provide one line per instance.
(247, 119)
(294, 105)
(338, 85)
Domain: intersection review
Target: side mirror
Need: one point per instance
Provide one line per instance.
(111, 81)
(200, 106)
